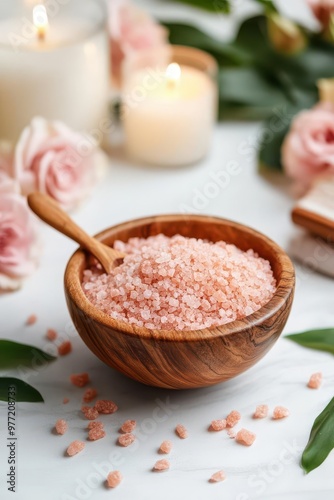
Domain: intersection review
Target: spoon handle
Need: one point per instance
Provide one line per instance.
(47, 209)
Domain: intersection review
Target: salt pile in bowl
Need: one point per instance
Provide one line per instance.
(180, 283)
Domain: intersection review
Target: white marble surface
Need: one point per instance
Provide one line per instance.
(267, 470)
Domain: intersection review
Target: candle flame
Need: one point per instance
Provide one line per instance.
(173, 73)
(40, 20)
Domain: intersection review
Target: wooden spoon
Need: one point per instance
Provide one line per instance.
(47, 209)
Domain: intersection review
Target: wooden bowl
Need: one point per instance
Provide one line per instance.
(187, 359)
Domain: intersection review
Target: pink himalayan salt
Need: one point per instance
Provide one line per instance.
(79, 379)
(181, 431)
(217, 477)
(61, 426)
(89, 395)
(245, 437)
(114, 478)
(126, 439)
(231, 433)
(105, 406)
(166, 447)
(75, 447)
(96, 433)
(89, 412)
(95, 424)
(65, 401)
(181, 283)
(51, 334)
(64, 348)
(161, 465)
(218, 425)
(315, 381)
(31, 320)
(261, 411)
(233, 418)
(128, 426)
(280, 412)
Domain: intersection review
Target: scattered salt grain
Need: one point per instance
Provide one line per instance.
(245, 437)
(181, 431)
(280, 412)
(232, 418)
(80, 379)
(51, 334)
(89, 395)
(126, 439)
(65, 401)
(96, 433)
(31, 320)
(105, 406)
(231, 433)
(218, 425)
(89, 412)
(61, 426)
(95, 424)
(181, 283)
(217, 477)
(128, 426)
(261, 411)
(315, 381)
(161, 465)
(114, 478)
(75, 447)
(166, 447)
(64, 348)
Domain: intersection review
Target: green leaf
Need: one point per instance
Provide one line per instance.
(321, 441)
(321, 340)
(14, 389)
(14, 354)
(218, 6)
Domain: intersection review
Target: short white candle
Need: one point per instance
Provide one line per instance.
(59, 72)
(169, 120)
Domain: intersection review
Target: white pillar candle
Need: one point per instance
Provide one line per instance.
(59, 70)
(168, 115)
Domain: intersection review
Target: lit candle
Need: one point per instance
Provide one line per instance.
(168, 118)
(54, 64)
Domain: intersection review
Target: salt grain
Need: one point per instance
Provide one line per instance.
(89, 395)
(181, 431)
(315, 381)
(64, 348)
(161, 465)
(233, 418)
(105, 406)
(95, 424)
(80, 379)
(217, 477)
(261, 411)
(96, 433)
(61, 426)
(114, 478)
(218, 425)
(89, 412)
(75, 447)
(181, 283)
(51, 334)
(126, 439)
(245, 437)
(280, 412)
(65, 401)
(31, 320)
(166, 447)
(128, 426)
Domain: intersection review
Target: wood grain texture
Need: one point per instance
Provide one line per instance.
(313, 222)
(47, 209)
(187, 359)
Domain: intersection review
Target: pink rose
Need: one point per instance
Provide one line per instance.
(51, 158)
(131, 30)
(322, 9)
(19, 247)
(308, 149)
